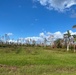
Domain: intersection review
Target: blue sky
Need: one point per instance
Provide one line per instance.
(28, 18)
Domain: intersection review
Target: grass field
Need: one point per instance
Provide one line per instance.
(37, 61)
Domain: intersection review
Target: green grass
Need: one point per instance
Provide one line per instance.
(37, 61)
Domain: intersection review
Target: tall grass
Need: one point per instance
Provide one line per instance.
(37, 61)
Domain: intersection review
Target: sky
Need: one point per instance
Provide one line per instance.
(33, 18)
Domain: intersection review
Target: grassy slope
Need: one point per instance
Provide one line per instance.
(36, 61)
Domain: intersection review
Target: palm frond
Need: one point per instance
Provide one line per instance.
(74, 26)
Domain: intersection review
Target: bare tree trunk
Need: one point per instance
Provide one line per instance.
(74, 47)
(67, 46)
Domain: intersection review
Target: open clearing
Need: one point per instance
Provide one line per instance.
(37, 61)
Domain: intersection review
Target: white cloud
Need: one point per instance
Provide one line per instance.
(43, 2)
(42, 34)
(59, 5)
(58, 34)
(48, 35)
(13, 41)
(33, 38)
(71, 32)
(9, 34)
